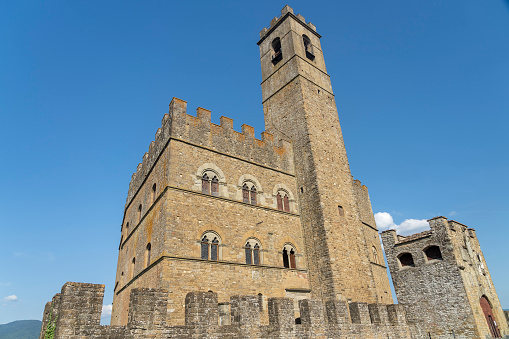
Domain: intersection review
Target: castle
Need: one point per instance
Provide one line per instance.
(225, 235)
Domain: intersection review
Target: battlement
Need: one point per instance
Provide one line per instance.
(200, 131)
(285, 12)
(79, 308)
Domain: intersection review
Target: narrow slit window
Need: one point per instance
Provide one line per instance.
(154, 187)
(147, 254)
(139, 213)
(341, 211)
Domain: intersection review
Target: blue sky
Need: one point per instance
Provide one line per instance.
(421, 86)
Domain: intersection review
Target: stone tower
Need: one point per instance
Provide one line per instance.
(341, 239)
(441, 278)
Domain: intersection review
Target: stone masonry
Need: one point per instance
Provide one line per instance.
(79, 308)
(328, 223)
(228, 236)
(442, 293)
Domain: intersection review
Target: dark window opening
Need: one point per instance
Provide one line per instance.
(139, 213)
(289, 257)
(154, 193)
(260, 301)
(341, 210)
(277, 55)
(406, 259)
(433, 253)
(298, 321)
(308, 47)
(147, 254)
(286, 262)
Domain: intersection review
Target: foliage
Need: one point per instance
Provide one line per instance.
(50, 329)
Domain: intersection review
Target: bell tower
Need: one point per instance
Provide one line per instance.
(299, 105)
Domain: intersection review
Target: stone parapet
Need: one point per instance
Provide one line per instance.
(79, 309)
(200, 131)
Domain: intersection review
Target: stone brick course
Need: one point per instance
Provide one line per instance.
(147, 318)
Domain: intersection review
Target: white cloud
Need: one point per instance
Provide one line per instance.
(106, 311)
(453, 213)
(384, 221)
(11, 298)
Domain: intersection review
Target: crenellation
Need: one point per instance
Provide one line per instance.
(199, 130)
(378, 314)
(148, 317)
(359, 313)
(276, 230)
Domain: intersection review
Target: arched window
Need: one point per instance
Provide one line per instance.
(210, 183)
(375, 255)
(133, 263)
(277, 54)
(147, 254)
(308, 47)
(283, 202)
(210, 242)
(289, 256)
(433, 253)
(249, 193)
(154, 192)
(406, 259)
(252, 249)
(139, 213)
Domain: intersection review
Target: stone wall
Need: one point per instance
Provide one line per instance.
(81, 311)
(440, 295)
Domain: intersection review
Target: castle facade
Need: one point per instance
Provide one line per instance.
(211, 209)
(228, 236)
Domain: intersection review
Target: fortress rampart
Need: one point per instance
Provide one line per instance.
(200, 131)
(79, 312)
